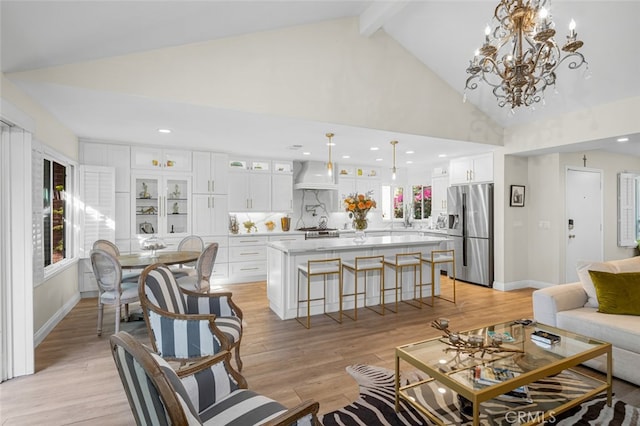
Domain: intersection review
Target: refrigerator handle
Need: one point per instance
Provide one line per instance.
(464, 229)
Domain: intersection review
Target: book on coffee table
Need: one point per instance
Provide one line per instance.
(484, 375)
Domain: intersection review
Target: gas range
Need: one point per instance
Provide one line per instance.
(315, 232)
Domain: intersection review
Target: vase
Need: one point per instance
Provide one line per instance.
(360, 224)
(360, 236)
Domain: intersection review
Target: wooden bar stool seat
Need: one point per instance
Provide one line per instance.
(439, 257)
(323, 268)
(365, 264)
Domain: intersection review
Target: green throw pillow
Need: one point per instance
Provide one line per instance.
(617, 293)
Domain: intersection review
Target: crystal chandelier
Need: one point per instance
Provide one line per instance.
(519, 57)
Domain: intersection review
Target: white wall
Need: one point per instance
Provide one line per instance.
(534, 246)
(324, 72)
(54, 294)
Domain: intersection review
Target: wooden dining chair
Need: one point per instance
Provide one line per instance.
(204, 268)
(111, 289)
(188, 243)
(111, 248)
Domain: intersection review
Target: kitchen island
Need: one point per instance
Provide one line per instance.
(283, 258)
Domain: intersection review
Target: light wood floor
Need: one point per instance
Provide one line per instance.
(76, 381)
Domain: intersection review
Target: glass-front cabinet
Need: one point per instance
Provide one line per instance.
(161, 205)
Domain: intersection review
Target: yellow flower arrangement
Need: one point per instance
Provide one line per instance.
(358, 205)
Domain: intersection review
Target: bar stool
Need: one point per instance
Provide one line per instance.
(439, 257)
(401, 261)
(364, 264)
(324, 268)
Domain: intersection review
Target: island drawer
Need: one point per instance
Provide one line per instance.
(247, 241)
(247, 253)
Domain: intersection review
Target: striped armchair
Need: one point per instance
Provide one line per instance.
(209, 392)
(185, 325)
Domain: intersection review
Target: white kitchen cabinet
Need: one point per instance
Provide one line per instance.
(439, 187)
(346, 186)
(210, 173)
(247, 258)
(210, 215)
(355, 179)
(249, 191)
(474, 169)
(160, 205)
(281, 192)
(220, 271)
(109, 155)
(160, 159)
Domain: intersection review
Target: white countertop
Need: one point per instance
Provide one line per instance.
(278, 233)
(274, 233)
(333, 244)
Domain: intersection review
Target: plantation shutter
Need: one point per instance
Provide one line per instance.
(98, 195)
(627, 214)
(37, 215)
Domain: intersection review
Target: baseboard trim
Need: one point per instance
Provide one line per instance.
(48, 327)
(517, 285)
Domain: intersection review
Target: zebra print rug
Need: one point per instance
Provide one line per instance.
(376, 404)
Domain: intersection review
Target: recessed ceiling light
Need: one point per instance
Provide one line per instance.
(378, 159)
(622, 140)
(306, 153)
(409, 162)
(374, 148)
(442, 155)
(346, 156)
(409, 152)
(164, 130)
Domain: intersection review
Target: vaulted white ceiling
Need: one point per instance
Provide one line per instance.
(441, 34)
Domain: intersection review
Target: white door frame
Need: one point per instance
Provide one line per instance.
(567, 231)
(16, 251)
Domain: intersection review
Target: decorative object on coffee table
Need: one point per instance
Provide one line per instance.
(472, 344)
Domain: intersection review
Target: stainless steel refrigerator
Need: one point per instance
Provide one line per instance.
(470, 226)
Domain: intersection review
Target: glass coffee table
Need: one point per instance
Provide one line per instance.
(510, 382)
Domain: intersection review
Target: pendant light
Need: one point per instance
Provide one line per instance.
(393, 169)
(329, 164)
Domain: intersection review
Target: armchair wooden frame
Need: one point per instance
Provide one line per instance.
(174, 409)
(149, 306)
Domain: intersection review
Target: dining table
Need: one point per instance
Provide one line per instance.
(144, 259)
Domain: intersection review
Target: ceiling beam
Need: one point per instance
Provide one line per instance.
(376, 15)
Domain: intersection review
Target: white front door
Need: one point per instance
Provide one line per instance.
(583, 221)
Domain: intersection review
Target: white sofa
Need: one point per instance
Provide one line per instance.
(574, 307)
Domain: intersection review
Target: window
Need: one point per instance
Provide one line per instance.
(54, 218)
(421, 202)
(54, 212)
(392, 202)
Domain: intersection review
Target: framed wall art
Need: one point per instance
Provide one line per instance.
(517, 196)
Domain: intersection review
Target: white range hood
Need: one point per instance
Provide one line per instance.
(313, 175)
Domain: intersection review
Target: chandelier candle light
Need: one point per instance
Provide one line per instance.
(519, 57)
